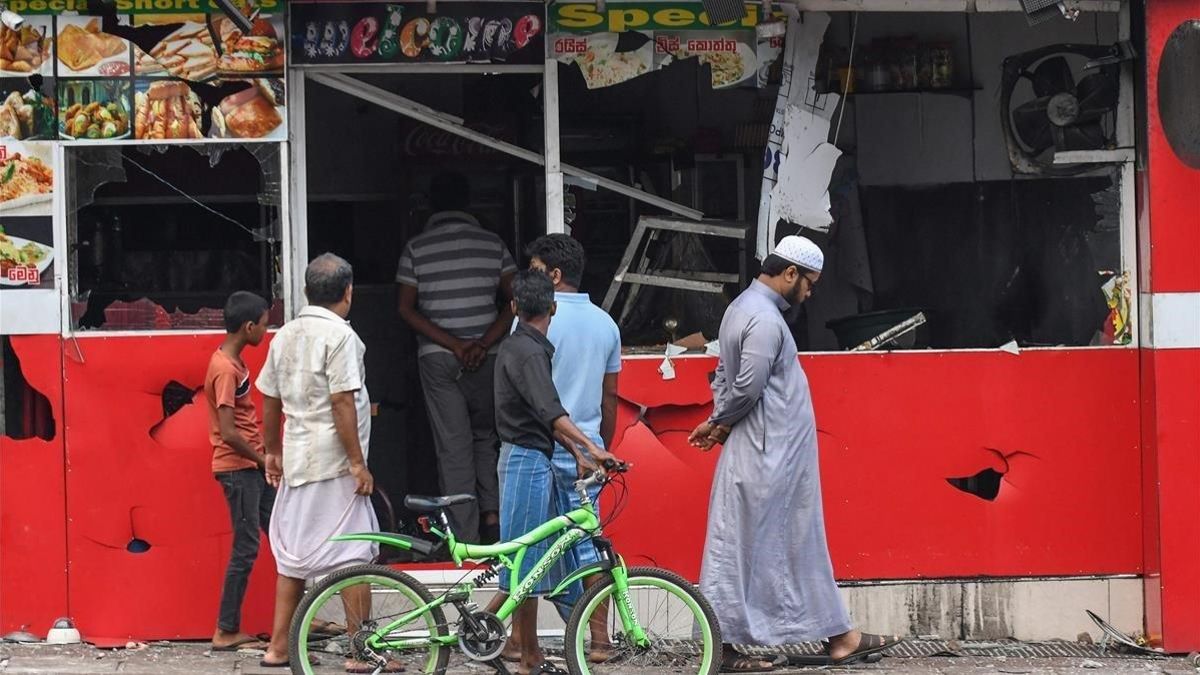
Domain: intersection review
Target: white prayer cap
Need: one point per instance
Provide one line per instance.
(800, 251)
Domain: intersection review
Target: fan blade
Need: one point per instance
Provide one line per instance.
(1053, 76)
(1032, 126)
(1081, 137)
(1097, 95)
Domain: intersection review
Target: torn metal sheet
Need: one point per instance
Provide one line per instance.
(803, 43)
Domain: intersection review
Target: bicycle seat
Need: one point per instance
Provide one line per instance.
(421, 504)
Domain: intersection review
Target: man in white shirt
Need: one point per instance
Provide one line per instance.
(314, 377)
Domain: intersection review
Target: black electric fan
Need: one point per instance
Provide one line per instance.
(1068, 112)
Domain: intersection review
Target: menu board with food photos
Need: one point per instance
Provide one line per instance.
(28, 301)
(166, 74)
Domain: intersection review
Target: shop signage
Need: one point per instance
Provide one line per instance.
(28, 301)
(43, 7)
(588, 37)
(203, 78)
(617, 17)
(405, 32)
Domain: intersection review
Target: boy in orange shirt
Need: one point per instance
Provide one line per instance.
(238, 458)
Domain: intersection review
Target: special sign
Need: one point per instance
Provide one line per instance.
(398, 32)
(618, 17)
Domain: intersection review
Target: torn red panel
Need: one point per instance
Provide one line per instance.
(642, 384)
(676, 418)
(627, 416)
(894, 426)
(33, 536)
(669, 478)
(137, 476)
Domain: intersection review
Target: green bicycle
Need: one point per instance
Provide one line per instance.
(393, 622)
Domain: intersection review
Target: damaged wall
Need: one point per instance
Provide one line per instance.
(33, 518)
(1060, 427)
(144, 518)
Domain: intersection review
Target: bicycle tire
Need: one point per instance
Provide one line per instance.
(440, 657)
(578, 628)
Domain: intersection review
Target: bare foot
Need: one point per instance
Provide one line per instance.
(841, 646)
(274, 658)
(224, 640)
(511, 651)
(601, 652)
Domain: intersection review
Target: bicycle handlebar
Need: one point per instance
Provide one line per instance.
(598, 478)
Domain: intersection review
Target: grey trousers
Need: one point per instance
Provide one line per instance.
(463, 418)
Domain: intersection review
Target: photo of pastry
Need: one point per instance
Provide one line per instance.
(256, 112)
(27, 50)
(166, 110)
(25, 113)
(94, 110)
(84, 50)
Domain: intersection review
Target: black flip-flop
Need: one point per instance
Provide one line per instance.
(747, 664)
(312, 661)
(868, 645)
(241, 644)
(811, 660)
(547, 668)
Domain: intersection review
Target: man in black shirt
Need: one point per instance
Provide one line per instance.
(529, 419)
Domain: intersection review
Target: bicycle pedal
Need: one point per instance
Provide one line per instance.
(498, 664)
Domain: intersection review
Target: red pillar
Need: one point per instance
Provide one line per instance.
(1169, 243)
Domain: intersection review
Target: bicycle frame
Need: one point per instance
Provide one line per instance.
(575, 526)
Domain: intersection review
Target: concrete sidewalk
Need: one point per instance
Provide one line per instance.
(189, 658)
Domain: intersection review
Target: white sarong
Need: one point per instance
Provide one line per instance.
(306, 516)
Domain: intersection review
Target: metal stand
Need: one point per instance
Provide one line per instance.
(649, 228)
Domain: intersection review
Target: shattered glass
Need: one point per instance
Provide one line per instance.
(161, 234)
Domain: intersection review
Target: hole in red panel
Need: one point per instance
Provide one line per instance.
(985, 484)
(136, 545)
(27, 412)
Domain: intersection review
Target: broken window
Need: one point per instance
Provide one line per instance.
(161, 235)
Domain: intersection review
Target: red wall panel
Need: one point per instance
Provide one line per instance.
(1174, 188)
(33, 522)
(1175, 559)
(133, 474)
(893, 428)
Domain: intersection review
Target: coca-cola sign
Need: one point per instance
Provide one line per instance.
(426, 141)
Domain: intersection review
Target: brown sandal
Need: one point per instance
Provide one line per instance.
(744, 664)
(869, 644)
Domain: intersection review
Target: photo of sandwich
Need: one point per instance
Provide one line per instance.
(258, 52)
(256, 112)
(26, 116)
(86, 50)
(166, 110)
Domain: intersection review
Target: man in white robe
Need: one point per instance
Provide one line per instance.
(766, 567)
(314, 376)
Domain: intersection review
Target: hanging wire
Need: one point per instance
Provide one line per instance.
(190, 198)
(849, 74)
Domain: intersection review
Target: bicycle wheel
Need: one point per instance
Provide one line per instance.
(335, 619)
(681, 626)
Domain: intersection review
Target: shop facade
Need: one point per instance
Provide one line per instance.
(1021, 467)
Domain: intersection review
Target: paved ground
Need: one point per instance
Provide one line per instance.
(195, 659)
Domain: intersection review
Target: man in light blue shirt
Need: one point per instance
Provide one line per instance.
(586, 363)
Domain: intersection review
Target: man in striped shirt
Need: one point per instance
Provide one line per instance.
(449, 276)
